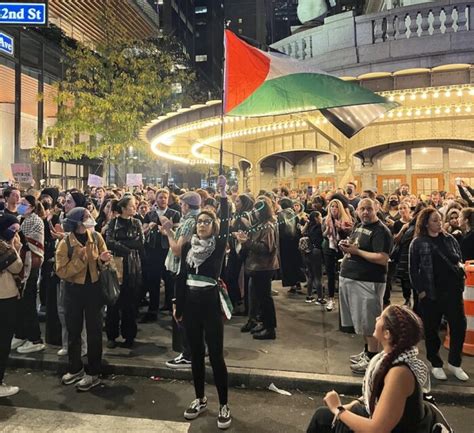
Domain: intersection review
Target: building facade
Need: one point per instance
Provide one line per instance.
(418, 55)
(29, 74)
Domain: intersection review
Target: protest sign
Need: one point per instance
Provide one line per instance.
(134, 179)
(22, 173)
(94, 180)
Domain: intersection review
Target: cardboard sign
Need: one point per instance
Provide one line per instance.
(22, 173)
(94, 180)
(134, 179)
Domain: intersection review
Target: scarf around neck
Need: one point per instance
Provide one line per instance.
(200, 251)
(409, 358)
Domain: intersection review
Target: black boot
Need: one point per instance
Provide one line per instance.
(266, 334)
(257, 329)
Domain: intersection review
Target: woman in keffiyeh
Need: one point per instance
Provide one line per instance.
(393, 387)
(28, 334)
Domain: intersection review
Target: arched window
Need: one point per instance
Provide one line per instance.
(325, 163)
(461, 158)
(393, 161)
(427, 158)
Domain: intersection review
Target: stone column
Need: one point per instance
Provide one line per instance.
(368, 176)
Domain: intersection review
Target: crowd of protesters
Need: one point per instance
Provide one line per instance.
(220, 251)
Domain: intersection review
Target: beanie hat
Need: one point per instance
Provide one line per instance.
(79, 198)
(191, 198)
(7, 220)
(73, 218)
(52, 192)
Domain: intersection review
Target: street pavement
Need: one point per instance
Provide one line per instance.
(310, 353)
(138, 404)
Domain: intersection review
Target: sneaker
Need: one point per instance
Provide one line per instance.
(30, 347)
(8, 391)
(180, 362)
(224, 420)
(196, 408)
(127, 344)
(111, 344)
(292, 290)
(458, 372)
(257, 329)
(330, 305)
(62, 352)
(16, 343)
(309, 299)
(249, 326)
(438, 373)
(361, 366)
(356, 358)
(320, 301)
(87, 382)
(265, 334)
(70, 378)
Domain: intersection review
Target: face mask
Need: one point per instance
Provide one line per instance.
(8, 234)
(393, 202)
(404, 192)
(22, 208)
(349, 191)
(89, 223)
(412, 207)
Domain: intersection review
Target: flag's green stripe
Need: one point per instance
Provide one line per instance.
(303, 92)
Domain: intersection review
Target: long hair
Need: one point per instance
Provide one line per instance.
(422, 221)
(265, 209)
(406, 331)
(343, 215)
(468, 215)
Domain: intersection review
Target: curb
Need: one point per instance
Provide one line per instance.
(245, 378)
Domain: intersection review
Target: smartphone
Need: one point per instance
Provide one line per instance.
(310, 190)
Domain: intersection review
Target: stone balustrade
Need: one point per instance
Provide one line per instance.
(444, 29)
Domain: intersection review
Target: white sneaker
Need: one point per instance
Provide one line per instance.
(195, 409)
(70, 378)
(7, 391)
(458, 372)
(62, 352)
(30, 347)
(16, 343)
(330, 305)
(439, 373)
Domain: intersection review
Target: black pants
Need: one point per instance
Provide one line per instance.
(84, 300)
(392, 267)
(407, 290)
(155, 272)
(203, 320)
(234, 266)
(330, 262)
(27, 324)
(121, 317)
(313, 262)
(452, 307)
(260, 286)
(8, 310)
(323, 417)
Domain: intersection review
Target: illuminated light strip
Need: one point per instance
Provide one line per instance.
(428, 110)
(423, 92)
(166, 155)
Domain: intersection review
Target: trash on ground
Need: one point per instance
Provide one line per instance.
(273, 388)
(156, 378)
(263, 350)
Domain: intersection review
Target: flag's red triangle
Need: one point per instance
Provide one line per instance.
(245, 70)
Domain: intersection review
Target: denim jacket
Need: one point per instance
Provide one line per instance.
(421, 262)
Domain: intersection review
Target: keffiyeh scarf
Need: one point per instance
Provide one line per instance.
(409, 358)
(200, 251)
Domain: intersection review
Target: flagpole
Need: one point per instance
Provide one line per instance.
(221, 148)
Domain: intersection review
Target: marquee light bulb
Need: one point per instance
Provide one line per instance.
(436, 94)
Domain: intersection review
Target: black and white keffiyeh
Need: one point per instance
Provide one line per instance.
(409, 358)
(200, 251)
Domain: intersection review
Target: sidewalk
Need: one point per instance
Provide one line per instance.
(308, 354)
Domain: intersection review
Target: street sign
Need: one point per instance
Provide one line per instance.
(23, 13)
(7, 44)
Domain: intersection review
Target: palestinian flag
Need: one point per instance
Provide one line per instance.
(257, 84)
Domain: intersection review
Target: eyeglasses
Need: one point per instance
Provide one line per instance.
(205, 222)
